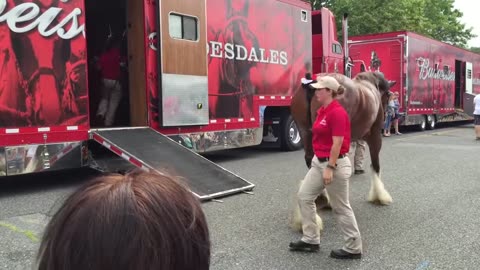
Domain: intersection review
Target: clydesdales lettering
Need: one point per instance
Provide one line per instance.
(240, 52)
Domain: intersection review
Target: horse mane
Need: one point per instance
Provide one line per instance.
(309, 92)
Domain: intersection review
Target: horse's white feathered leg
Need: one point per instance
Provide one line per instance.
(378, 191)
(296, 221)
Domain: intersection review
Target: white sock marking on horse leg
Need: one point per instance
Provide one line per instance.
(296, 222)
(378, 191)
(296, 219)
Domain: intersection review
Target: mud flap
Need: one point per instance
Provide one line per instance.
(152, 151)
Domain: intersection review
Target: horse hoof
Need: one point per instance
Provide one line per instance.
(384, 199)
(378, 193)
(323, 202)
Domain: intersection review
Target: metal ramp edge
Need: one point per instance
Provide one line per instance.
(152, 151)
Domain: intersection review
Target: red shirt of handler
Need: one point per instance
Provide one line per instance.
(331, 121)
(110, 64)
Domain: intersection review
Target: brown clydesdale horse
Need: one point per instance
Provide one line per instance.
(364, 99)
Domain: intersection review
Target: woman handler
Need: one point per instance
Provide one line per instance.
(331, 169)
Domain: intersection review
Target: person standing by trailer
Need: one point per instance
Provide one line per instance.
(476, 115)
(330, 169)
(110, 65)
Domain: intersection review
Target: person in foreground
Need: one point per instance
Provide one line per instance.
(133, 221)
(330, 169)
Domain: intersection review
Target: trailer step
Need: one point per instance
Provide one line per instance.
(152, 151)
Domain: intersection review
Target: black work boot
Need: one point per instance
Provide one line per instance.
(302, 246)
(342, 254)
(359, 171)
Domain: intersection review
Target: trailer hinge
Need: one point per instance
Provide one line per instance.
(45, 155)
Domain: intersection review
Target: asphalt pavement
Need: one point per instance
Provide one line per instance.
(433, 177)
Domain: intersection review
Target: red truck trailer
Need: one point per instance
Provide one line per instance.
(200, 76)
(436, 81)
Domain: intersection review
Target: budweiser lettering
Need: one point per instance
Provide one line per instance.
(240, 52)
(29, 17)
(426, 71)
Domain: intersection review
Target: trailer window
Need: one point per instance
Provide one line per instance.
(336, 48)
(304, 16)
(446, 69)
(183, 27)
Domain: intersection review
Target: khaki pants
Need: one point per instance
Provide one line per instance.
(338, 191)
(111, 97)
(357, 154)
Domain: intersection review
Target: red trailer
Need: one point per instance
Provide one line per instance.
(204, 75)
(436, 81)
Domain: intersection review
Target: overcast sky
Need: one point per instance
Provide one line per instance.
(470, 8)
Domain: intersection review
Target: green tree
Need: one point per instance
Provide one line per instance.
(475, 49)
(437, 19)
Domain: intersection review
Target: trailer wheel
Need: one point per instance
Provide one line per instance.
(290, 139)
(431, 122)
(423, 123)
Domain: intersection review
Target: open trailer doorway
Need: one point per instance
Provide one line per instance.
(116, 63)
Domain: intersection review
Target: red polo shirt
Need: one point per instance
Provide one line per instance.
(331, 121)
(110, 64)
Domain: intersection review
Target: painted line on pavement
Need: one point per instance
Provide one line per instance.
(29, 234)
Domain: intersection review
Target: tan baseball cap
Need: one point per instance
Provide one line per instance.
(326, 82)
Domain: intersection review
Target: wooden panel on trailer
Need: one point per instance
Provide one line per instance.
(181, 56)
(184, 92)
(136, 61)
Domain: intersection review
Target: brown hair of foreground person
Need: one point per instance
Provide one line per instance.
(125, 222)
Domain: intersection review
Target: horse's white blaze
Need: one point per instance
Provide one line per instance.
(378, 191)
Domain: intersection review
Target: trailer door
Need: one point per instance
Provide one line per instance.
(469, 80)
(184, 83)
(468, 96)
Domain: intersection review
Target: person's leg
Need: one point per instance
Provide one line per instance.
(105, 94)
(359, 156)
(338, 190)
(352, 152)
(395, 124)
(114, 101)
(390, 118)
(311, 187)
(386, 128)
(477, 126)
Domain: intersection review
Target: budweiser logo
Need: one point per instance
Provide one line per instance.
(426, 71)
(26, 16)
(241, 53)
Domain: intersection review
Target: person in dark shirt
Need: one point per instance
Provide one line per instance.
(330, 169)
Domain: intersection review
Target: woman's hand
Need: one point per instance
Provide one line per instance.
(327, 176)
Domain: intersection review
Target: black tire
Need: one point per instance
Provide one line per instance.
(290, 139)
(431, 122)
(423, 124)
